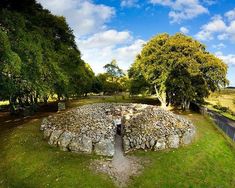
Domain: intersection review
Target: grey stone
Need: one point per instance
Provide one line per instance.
(105, 147)
(65, 140)
(160, 144)
(187, 137)
(61, 106)
(75, 144)
(173, 141)
(86, 145)
(47, 133)
(152, 143)
(44, 124)
(54, 137)
(81, 144)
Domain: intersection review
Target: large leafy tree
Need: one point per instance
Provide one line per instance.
(38, 55)
(179, 69)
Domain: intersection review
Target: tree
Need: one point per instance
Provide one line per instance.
(179, 69)
(113, 80)
(38, 55)
(113, 70)
(10, 67)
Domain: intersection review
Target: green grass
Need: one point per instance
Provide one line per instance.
(28, 161)
(208, 162)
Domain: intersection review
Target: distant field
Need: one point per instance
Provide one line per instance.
(3, 103)
(224, 98)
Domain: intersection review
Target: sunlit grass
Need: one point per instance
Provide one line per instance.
(3, 103)
(225, 98)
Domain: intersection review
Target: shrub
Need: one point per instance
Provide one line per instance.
(224, 109)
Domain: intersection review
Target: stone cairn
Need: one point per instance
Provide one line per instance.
(92, 128)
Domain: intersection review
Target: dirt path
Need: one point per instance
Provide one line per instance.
(121, 168)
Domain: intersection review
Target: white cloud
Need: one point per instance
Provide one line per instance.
(129, 3)
(123, 49)
(210, 2)
(215, 25)
(97, 44)
(204, 35)
(231, 30)
(223, 36)
(229, 59)
(230, 14)
(83, 16)
(219, 27)
(106, 38)
(219, 46)
(182, 9)
(184, 30)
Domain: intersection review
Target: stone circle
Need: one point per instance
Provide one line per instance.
(92, 128)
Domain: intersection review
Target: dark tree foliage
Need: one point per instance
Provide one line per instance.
(38, 55)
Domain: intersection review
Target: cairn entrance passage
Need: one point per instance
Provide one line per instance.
(115, 129)
(110, 128)
(119, 162)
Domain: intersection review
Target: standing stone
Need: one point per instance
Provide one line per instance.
(75, 144)
(61, 106)
(126, 144)
(44, 125)
(47, 133)
(54, 137)
(64, 140)
(173, 141)
(81, 144)
(152, 143)
(160, 144)
(86, 145)
(105, 147)
(187, 137)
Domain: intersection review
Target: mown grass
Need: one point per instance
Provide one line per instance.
(28, 161)
(208, 162)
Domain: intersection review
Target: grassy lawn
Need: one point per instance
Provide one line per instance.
(28, 161)
(225, 98)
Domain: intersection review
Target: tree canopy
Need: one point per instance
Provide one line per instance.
(38, 55)
(178, 69)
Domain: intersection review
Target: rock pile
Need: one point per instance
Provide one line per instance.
(92, 128)
(152, 128)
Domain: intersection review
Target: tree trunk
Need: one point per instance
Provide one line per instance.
(185, 104)
(12, 101)
(45, 99)
(31, 100)
(36, 99)
(161, 97)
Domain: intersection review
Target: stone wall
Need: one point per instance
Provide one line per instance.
(83, 129)
(152, 128)
(92, 128)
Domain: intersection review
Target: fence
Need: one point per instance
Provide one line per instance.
(225, 124)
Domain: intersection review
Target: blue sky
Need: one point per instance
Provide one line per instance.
(117, 29)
